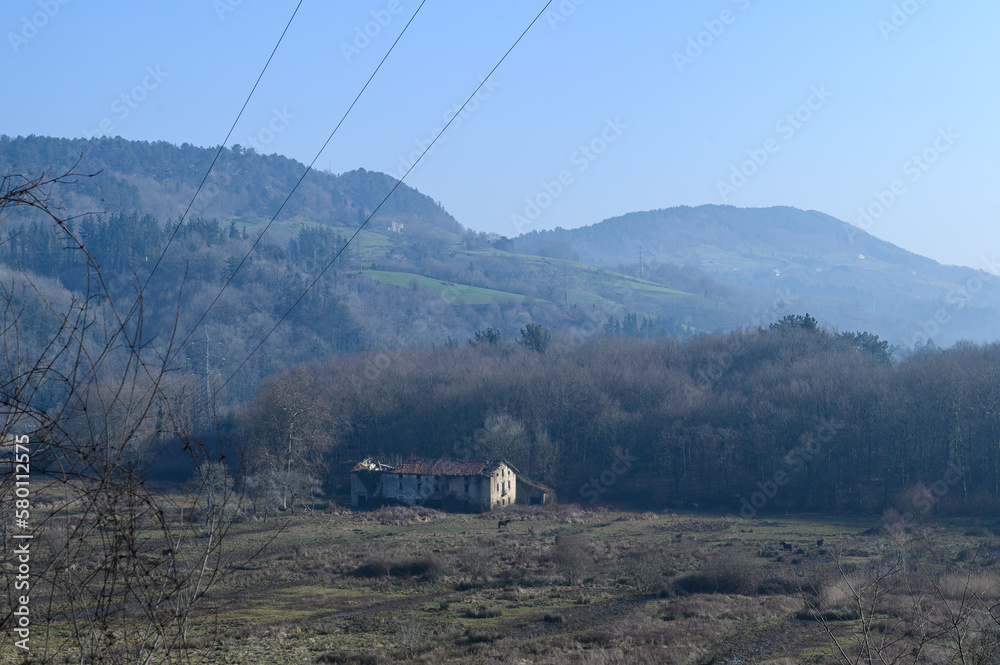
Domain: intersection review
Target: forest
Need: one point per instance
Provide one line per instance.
(788, 417)
(593, 380)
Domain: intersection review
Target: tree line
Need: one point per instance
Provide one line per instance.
(788, 417)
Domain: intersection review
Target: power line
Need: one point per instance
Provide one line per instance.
(218, 152)
(386, 198)
(299, 182)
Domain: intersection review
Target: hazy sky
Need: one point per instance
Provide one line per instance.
(602, 109)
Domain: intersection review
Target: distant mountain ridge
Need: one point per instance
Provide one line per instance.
(677, 234)
(836, 271)
(161, 178)
(704, 268)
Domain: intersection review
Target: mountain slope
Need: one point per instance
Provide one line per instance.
(703, 269)
(836, 271)
(161, 178)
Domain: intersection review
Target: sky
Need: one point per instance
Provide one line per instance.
(882, 113)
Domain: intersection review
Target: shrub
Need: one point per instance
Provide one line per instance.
(374, 566)
(696, 583)
(736, 574)
(572, 558)
(475, 636)
(429, 567)
(839, 613)
(347, 658)
(778, 585)
(483, 612)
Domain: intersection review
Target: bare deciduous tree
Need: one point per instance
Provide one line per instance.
(115, 573)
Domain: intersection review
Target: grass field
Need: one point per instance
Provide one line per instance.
(577, 282)
(565, 584)
(457, 294)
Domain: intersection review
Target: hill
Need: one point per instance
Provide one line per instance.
(836, 271)
(160, 178)
(412, 277)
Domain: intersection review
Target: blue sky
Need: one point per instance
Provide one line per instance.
(602, 109)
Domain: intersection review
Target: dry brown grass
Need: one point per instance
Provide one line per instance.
(983, 584)
(399, 516)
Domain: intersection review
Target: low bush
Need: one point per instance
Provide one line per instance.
(483, 612)
(475, 636)
(430, 568)
(373, 567)
(778, 585)
(347, 658)
(736, 574)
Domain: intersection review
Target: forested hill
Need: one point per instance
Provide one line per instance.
(838, 272)
(416, 276)
(412, 277)
(160, 178)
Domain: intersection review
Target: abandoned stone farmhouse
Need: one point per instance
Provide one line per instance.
(460, 485)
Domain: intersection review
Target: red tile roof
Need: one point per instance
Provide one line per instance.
(449, 467)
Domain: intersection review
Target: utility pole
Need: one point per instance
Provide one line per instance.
(208, 377)
(208, 384)
(642, 271)
(565, 288)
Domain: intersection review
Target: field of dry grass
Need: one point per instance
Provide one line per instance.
(564, 584)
